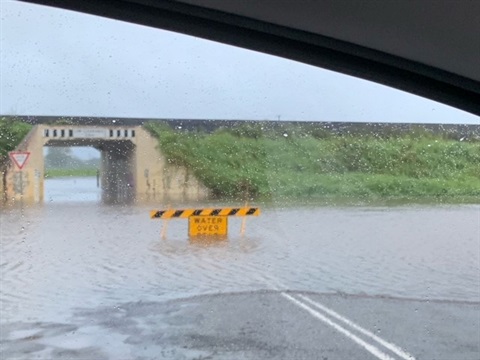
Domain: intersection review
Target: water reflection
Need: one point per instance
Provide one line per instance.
(85, 189)
(208, 241)
(72, 189)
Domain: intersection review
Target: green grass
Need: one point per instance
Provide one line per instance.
(53, 173)
(12, 132)
(295, 163)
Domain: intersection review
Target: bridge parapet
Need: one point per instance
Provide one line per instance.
(88, 132)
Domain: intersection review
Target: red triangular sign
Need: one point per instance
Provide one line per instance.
(19, 158)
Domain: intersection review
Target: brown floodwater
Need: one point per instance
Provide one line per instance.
(74, 252)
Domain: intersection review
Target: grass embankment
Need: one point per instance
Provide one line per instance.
(52, 173)
(296, 163)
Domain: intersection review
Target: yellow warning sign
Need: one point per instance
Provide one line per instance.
(207, 225)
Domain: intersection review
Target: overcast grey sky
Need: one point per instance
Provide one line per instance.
(55, 62)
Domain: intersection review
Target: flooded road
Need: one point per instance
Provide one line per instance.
(74, 254)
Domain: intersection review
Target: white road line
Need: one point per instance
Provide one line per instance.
(369, 347)
(392, 347)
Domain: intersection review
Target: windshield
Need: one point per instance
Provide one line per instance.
(168, 197)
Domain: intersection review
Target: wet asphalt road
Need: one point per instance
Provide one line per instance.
(257, 325)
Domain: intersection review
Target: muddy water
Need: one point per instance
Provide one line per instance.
(73, 252)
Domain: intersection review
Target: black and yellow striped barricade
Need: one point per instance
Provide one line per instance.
(207, 221)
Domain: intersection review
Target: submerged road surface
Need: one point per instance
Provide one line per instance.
(80, 280)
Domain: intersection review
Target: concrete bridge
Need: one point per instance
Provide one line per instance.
(132, 167)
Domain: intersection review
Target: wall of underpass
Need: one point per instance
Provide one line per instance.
(157, 179)
(27, 184)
